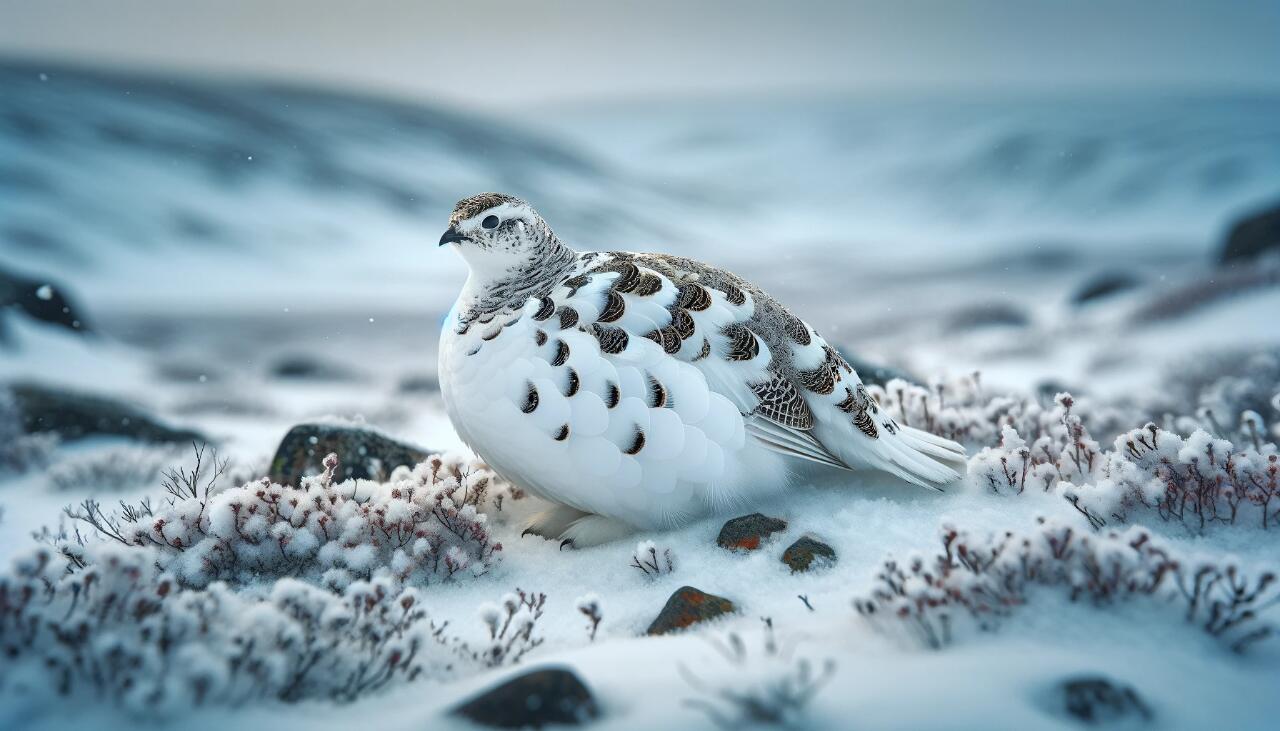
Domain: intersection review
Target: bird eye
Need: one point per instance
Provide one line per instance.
(490, 222)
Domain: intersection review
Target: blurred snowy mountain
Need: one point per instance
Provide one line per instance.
(139, 188)
(954, 176)
(202, 194)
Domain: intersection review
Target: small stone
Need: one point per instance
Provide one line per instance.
(802, 554)
(748, 532)
(1097, 700)
(689, 606)
(533, 699)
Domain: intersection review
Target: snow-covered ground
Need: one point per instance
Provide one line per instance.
(214, 232)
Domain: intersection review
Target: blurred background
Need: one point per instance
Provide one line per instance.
(225, 213)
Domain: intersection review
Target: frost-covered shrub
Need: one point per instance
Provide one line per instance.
(226, 594)
(962, 410)
(1198, 480)
(985, 579)
(115, 469)
(769, 688)
(511, 626)
(126, 632)
(651, 560)
(1061, 450)
(423, 524)
(1221, 388)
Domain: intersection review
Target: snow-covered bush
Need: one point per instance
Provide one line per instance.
(983, 579)
(118, 468)
(225, 594)
(962, 410)
(1217, 389)
(126, 632)
(510, 626)
(770, 688)
(1198, 480)
(1062, 450)
(423, 524)
(651, 560)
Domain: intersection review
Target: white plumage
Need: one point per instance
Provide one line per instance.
(642, 390)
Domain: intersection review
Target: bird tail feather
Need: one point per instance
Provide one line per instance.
(923, 459)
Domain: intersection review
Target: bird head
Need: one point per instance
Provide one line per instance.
(495, 233)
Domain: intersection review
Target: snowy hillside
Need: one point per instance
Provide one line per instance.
(116, 180)
(952, 177)
(258, 264)
(113, 179)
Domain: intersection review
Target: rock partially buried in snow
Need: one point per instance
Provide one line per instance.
(362, 453)
(73, 415)
(533, 699)
(305, 367)
(1253, 236)
(40, 300)
(1104, 285)
(1097, 700)
(807, 553)
(748, 532)
(689, 606)
(419, 383)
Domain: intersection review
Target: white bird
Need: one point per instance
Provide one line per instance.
(641, 391)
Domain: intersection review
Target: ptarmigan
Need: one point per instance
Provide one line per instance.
(640, 391)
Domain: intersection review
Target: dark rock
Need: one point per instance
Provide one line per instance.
(306, 367)
(1096, 700)
(1252, 236)
(1214, 287)
(42, 300)
(1104, 285)
(686, 607)
(419, 383)
(75, 416)
(875, 373)
(802, 554)
(748, 532)
(533, 699)
(362, 453)
(991, 314)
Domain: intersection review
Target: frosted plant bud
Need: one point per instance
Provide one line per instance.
(588, 604)
(510, 602)
(491, 615)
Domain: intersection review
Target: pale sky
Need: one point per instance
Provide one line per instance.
(513, 52)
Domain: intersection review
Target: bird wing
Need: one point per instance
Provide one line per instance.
(797, 394)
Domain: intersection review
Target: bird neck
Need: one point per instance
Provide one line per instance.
(510, 284)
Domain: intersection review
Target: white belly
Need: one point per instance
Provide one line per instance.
(573, 449)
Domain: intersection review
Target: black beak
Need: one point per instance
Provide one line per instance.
(451, 236)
